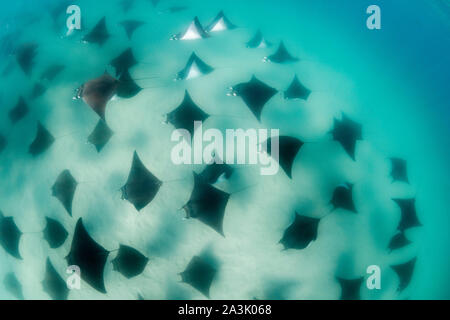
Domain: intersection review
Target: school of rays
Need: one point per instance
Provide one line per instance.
(208, 202)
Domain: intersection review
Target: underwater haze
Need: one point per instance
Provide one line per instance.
(140, 226)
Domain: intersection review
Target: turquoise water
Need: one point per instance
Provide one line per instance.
(393, 81)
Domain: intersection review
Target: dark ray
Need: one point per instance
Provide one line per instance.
(89, 256)
(281, 56)
(195, 67)
(142, 186)
(129, 262)
(99, 34)
(53, 284)
(98, 92)
(38, 90)
(405, 272)
(398, 241)
(351, 289)
(297, 90)
(207, 204)
(220, 23)
(255, 94)
(19, 111)
(25, 56)
(130, 26)
(124, 61)
(409, 217)
(288, 149)
(184, 116)
(51, 72)
(3, 143)
(399, 170)
(54, 233)
(343, 198)
(64, 189)
(127, 88)
(101, 135)
(10, 236)
(193, 32)
(42, 141)
(216, 171)
(155, 2)
(347, 132)
(13, 286)
(126, 5)
(199, 274)
(300, 233)
(258, 41)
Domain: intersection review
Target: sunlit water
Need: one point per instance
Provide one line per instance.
(394, 81)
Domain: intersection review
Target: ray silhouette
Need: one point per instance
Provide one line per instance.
(123, 61)
(215, 172)
(89, 256)
(195, 31)
(13, 286)
(53, 284)
(409, 217)
(207, 204)
(38, 90)
(258, 41)
(127, 87)
(347, 132)
(10, 236)
(220, 23)
(399, 170)
(42, 142)
(199, 274)
(101, 135)
(129, 262)
(19, 111)
(64, 190)
(54, 233)
(297, 90)
(255, 94)
(141, 186)
(99, 34)
(98, 92)
(131, 26)
(350, 288)
(300, 233)
(25, 56)
(398, 241)
(52, 72)
(195, 67)
(343, 198)
(404, 272)
(184, 116)
(288, 149)
(281, 56)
